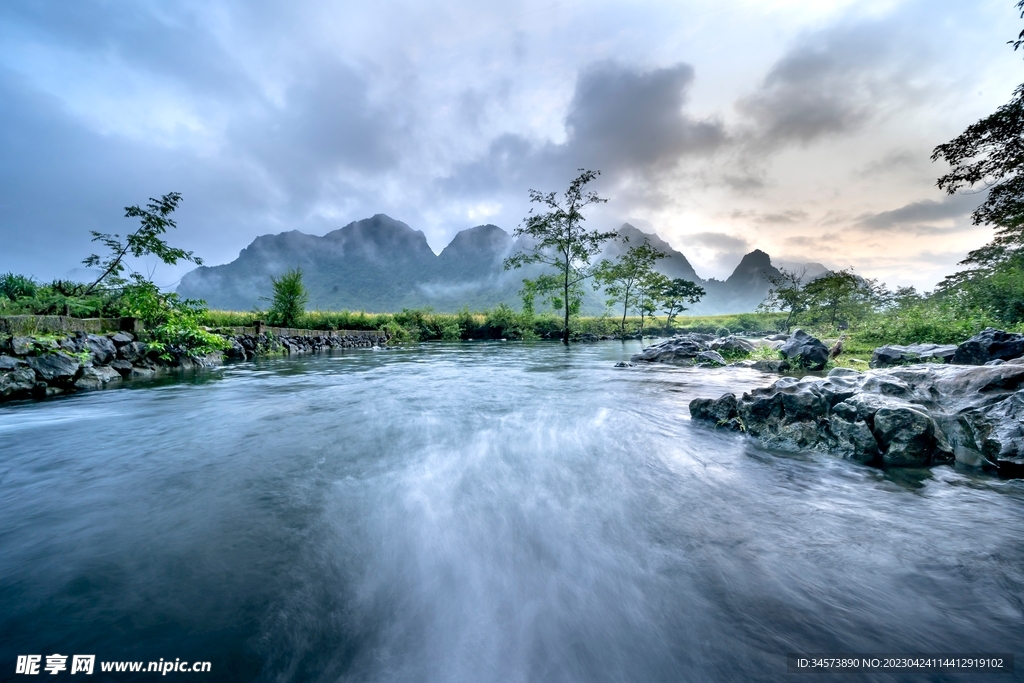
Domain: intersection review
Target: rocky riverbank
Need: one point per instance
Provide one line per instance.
(913, 415)
(41, 366)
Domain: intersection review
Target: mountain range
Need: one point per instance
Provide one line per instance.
(380, 264)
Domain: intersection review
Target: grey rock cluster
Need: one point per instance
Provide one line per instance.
(915, 415)
(46, 366)
(988, 346)
(683, 349)
(248, 346)
(894, 354)
(43, 366)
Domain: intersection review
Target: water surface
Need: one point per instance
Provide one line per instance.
(478, 512)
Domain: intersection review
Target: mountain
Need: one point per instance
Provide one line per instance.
(744, 289)
(381, 264)
(673, 265)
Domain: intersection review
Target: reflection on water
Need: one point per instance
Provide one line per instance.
(478, 512)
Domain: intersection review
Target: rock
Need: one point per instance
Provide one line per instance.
(778, 337)
(21, 346)
(623, 364)
(237, 351)
(132, 351)
(914, 415)
(805, 350)
(907, 437)
(101, 349)
(122, 338)
(122, 366)
(17, 383)
(893, 354)
(732, 343)
(141, 373)
(679, 349)
(54, 367)
(9, 363)
(771, 365)
(95, 377)
(710, 359)
(989, 344)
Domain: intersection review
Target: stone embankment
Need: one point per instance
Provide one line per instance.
(912, 415)
(48, 364)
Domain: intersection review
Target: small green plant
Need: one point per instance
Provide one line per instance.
(288, 305)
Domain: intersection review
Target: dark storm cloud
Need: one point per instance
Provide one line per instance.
(624, 118)
(325, 122)
(621, 120)
(916, 214)
(832, 82)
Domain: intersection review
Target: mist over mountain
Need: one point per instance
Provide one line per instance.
(381, 264)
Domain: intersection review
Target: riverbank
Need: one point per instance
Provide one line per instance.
(51, 363)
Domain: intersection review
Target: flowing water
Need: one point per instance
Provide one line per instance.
(478, 512)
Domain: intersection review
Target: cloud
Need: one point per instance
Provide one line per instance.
(720, 241)
(922, 212)
(833, 82)
(622, 120)
(785, 217)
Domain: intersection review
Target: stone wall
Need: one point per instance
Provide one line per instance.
(57, 324)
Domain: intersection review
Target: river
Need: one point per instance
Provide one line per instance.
(478, 512)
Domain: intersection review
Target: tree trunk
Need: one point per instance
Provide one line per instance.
(565, 327)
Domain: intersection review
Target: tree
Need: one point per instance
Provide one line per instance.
(560, 241)
(786, 295)
(675, 294)
(841, 295)
(289, 300)
(624, 279)
(143, 242)
(648, 291)
(989, 155)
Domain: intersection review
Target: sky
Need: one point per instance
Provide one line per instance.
(800, 127)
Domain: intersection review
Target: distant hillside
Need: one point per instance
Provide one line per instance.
(381, 264)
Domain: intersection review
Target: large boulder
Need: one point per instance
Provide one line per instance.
(9, 363)
(988, 345)
(54, 367)
(101, 349)
(132, 351)
(913, 415)
(122, 338)
(17, 383)
(96, 376)
(733, 344)
(21, 346)
(894, 354)
(805, 350)
(681, 349)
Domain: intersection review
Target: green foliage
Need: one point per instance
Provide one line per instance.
(14, 287)
(174, 324)
(288, 304)
(675, 294)
(560, 241)
(632, 281)
(786, 295)
(144, 241)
